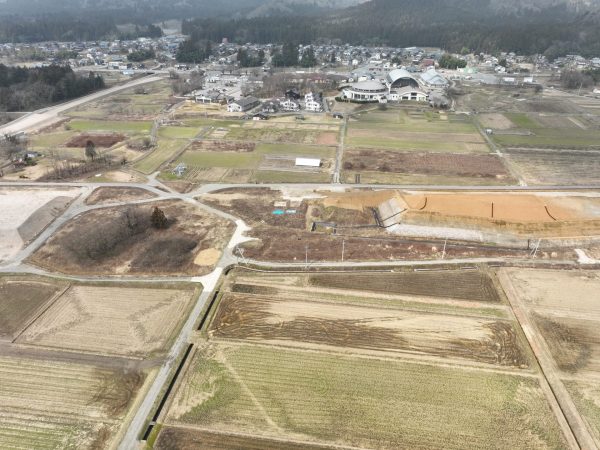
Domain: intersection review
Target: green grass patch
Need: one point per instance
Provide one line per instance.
(139, 127)
(165, 150)
(251, 160)
(522, 120)
(552, 138)
(54, 139)
(178, 132)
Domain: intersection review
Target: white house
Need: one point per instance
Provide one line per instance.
(243, 104)
(289, 105)
(312, 103)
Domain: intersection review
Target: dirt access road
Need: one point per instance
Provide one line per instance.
(47, 116)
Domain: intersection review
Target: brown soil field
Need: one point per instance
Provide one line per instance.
(358, 200)
(256, 206)
(99, 140)
(559, 291)
(460, 285)
(178, 438)
(574, 343)
(258, 318)
(222, 146)
(112, 321)
(107, 195)
(487, 166)
(327, 247)
(506, 207)
(327, 139)
(20, 300)
(495, 121)
(125, 242)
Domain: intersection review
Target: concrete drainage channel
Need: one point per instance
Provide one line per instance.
(180, 367)
(163, 401)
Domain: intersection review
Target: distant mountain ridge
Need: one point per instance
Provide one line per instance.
(163, 10)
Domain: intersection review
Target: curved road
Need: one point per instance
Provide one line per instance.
(47, 116)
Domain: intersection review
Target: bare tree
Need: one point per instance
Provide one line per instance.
(90, 150)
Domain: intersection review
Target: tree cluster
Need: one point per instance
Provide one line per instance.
(451, 62)
(141, 55)
(26, 89)
(246, 60)
(194, 52)
(573, 79)
(290, 56)
(96, 241)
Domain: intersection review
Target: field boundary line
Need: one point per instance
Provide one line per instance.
(574, 427)
(246, 389)
(49, 304)
(324, 445)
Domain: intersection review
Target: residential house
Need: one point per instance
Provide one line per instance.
(243, 104)
(289, 105)
(271, 107)
(313, 102)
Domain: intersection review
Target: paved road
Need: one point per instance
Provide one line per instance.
(208, 188)
(47, 116)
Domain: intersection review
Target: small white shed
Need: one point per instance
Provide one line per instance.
(308, 162)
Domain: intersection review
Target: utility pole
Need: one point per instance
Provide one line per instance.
(444, 251)
(343, 248)
(306, 257)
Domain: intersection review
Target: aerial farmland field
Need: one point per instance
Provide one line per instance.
(552, 167)
(20, 301)
(50, 405)
(338, 399)
(130, 322)
(414, 131)
(286, 359)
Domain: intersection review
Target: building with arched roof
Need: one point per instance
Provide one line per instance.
(366, 91)
(399, 78)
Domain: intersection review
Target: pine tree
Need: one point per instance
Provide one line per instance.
(159, 220)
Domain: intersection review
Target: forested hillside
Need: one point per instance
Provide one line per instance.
(451, 24)
(23, 89)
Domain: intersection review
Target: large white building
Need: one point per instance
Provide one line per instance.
(433, 79)
(366, 91)
(399, 85)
